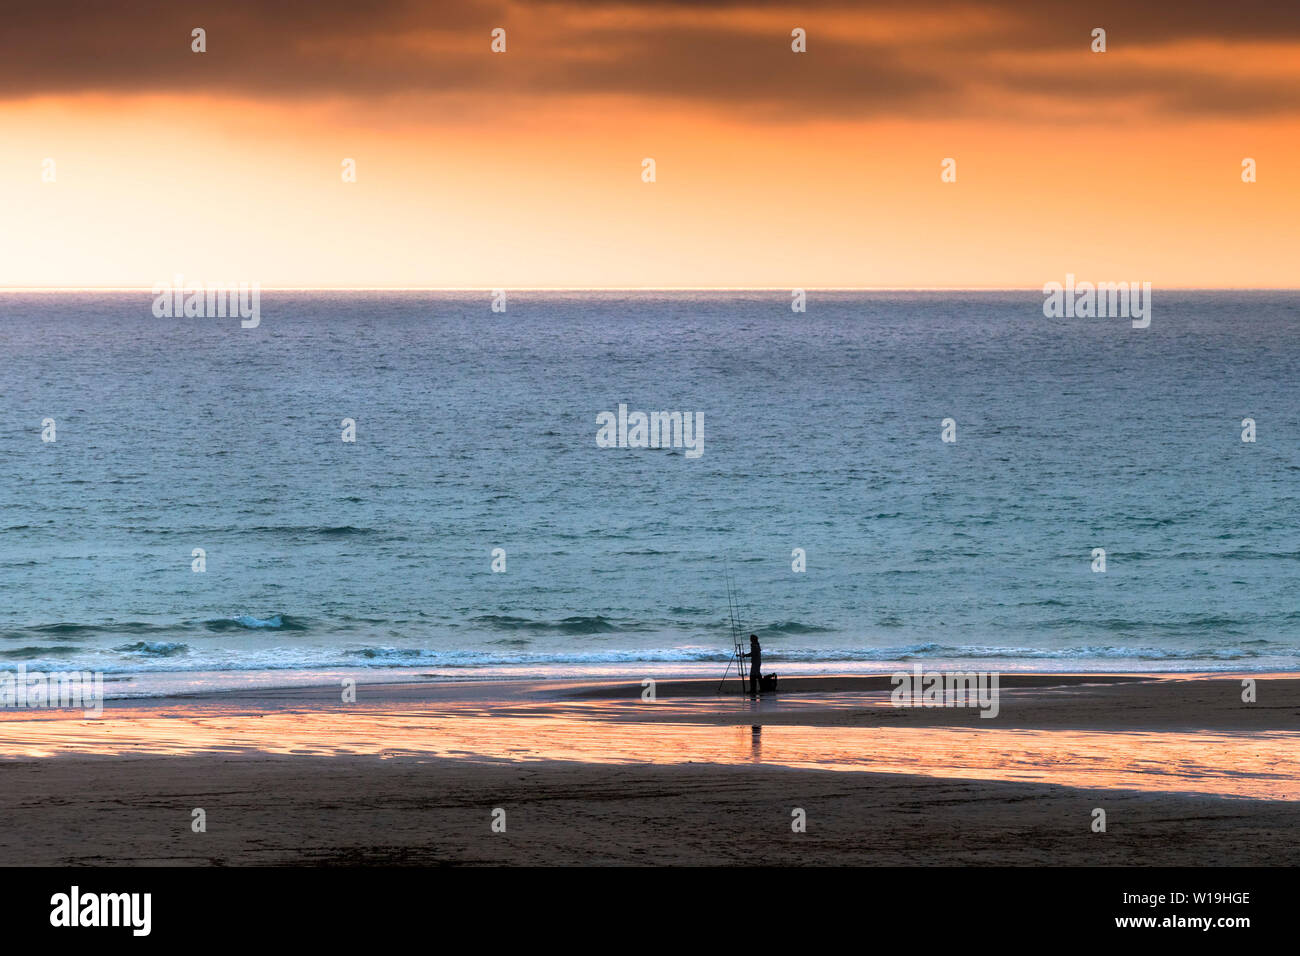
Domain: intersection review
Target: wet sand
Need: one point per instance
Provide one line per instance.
(411, 773)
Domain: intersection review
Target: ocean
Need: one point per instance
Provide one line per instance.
(477, 430)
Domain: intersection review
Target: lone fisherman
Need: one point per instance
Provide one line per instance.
(755, 656)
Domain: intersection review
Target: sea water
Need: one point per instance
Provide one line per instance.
(822, 447)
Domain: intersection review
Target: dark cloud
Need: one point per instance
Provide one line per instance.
(307, 48)
(1036, 21)
(1178, 93)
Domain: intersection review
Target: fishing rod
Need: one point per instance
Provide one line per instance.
(737, 654)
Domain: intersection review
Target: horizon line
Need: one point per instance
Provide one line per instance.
(836, 288)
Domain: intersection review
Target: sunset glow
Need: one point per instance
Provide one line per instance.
(522, 169)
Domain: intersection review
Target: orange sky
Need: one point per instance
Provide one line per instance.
(774, 169)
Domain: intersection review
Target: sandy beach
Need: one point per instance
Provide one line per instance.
(1186, 772)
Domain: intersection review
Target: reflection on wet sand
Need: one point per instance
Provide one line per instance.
(1260, 764)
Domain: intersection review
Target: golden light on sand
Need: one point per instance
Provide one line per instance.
(1258, 765)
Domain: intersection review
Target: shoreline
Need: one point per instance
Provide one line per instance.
(410, 686)
(589, 772)
(162, 685)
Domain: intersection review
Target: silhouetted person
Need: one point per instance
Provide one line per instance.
(755, 656)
